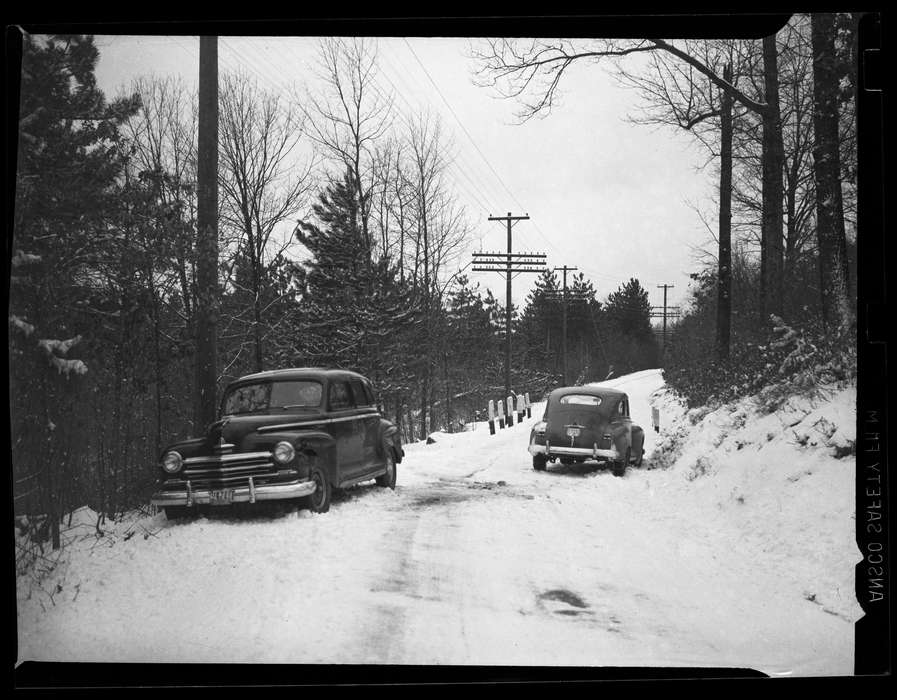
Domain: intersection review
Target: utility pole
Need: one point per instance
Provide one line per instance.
(206, 365)
(664, 287)
(508, 264)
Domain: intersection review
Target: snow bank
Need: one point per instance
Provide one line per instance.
(733, 546)
(779, 487)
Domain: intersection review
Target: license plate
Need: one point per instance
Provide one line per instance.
(221, 497)
(572, 432)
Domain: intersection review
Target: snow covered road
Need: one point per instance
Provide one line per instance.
(475, 558)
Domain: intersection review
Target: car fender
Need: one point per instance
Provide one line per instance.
(390, 439)
(194, 447)
(621, 436)
(638, 438)
(311, 446)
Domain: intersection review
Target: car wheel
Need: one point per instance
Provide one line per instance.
(388, 480)
(175, 512)
(539, 462)
(319, 501)
(619, 467)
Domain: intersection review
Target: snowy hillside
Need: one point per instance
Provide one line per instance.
(778, 487)
(733, 546)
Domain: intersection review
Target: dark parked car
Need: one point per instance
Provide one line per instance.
(283, 434)
(587, 423)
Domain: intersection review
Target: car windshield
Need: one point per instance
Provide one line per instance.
(252, 398)
(581, 399)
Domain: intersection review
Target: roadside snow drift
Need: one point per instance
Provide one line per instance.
(732, 546)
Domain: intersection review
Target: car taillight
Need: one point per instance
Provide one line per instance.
(540, 427)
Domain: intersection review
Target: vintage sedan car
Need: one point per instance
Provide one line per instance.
(283, 434)
(587, 423)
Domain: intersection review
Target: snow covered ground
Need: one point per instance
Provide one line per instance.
(732, 546)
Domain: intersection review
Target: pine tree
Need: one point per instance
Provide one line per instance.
(355, 313)
(627, 315)
(69, 240)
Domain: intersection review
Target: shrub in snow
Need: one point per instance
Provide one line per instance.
(810, 358)
(668, 447)
(702, 465)
(696, 415)
(776, 362)
(847, 449)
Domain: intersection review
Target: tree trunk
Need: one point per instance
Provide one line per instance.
(448, 392)
(257, 314)
(830, 234)
(771, 253)
(724, 285)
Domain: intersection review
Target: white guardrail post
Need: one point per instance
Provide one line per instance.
(655, 418)
(529, 410)
(521, 408)
(510, 418)
(501, 414)
(491, 417)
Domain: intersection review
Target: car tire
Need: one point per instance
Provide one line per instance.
(388, 480)
(540, 462)
(619, 467)
(319, 501)
(641, 456)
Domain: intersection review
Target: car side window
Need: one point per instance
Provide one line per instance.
(358, 393)
(339, 396)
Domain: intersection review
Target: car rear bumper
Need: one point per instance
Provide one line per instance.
(554, 451)
(240, 494)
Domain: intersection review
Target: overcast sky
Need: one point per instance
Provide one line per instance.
(615, 199)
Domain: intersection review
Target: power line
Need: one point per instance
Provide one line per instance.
(457, 119)
(483, 184)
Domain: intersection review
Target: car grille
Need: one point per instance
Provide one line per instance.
(229, 471)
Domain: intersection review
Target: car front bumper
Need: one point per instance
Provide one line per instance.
(191, 496)
(555, 451)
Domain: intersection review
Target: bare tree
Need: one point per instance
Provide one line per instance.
(161, 141)
(263, 179)
(430, 219)
(162, 136)
(675, 93)
(349, 117)
(530, 71)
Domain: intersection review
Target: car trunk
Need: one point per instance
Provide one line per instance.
(575, 425)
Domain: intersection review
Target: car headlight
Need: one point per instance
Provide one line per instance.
(172, 462)
(284, 452)
(540, 427)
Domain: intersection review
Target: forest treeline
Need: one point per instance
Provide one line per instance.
(342, 254)
(341, 233)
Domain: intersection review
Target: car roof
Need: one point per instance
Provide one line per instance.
(588, 390)
(300, 373)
